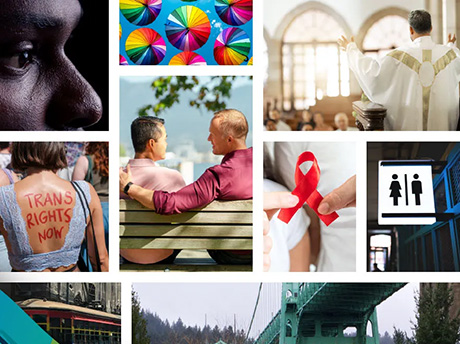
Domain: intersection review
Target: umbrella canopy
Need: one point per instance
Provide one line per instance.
(232, 47)
(188, 28)
(234, 12)
(145, 47)
(123, 61)
(187, 58)
(140, 12)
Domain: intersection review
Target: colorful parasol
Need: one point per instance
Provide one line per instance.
(234, 12)
(232, 47)
(123, 61)
(187, 58)
(145, 46)
(188, 28)
(140, 12)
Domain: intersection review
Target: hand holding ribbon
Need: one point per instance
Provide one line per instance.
(306, 191)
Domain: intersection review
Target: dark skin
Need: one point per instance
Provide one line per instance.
(40, 88)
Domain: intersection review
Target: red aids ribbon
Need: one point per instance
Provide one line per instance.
(306, 191)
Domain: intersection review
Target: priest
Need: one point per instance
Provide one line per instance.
(417, 83)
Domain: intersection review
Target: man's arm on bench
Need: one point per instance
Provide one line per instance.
(201, 192)
(136, 192)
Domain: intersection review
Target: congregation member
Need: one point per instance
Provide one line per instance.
(341, 122)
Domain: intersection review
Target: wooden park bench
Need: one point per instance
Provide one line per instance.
(221, 225)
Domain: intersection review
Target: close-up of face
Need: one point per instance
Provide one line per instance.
(40, 88)
(159, 150)
(218, 141)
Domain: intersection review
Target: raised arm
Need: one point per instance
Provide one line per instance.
(98, 222)
(374, 76)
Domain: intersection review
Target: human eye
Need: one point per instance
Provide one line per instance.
(17, 60)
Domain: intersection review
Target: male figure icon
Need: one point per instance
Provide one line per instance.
(395, 187)
(416, 189)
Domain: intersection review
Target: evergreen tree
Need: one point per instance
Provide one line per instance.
(400, 337)
(139, 324)
(434, 325)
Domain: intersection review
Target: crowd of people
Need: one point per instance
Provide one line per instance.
(306, 121)
(53, 206)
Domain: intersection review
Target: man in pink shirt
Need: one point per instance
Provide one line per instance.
(231, 180)
(149, 140)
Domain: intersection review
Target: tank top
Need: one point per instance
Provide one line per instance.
(21, 254)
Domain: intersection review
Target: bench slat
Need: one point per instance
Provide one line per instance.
(213, 206)
(188, 217)
(184, 231)
(189, 243)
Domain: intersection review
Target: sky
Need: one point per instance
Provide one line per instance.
(220, 301)
(183, 123)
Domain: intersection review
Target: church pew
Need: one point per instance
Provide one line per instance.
(221, 225)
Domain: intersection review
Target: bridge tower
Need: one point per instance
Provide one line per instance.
(289, 319)
(305, 318)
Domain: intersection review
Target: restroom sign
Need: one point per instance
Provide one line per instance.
(405, 195)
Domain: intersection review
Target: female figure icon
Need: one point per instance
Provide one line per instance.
(395, 187)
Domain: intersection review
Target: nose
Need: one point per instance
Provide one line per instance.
(209, 137)
(74, 103)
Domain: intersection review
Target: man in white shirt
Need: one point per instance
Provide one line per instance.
(417, 83)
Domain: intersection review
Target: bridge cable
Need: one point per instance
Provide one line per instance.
(254, 313)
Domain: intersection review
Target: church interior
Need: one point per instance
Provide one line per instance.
(307, 75)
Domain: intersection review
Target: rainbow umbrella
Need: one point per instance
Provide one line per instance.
(188, 28)
(140, 12)
(187, 58)
(234, 12)
(145, 46)
(123, 61)
(232, 47)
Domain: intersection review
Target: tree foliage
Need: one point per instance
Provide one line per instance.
(139, 324)
(211, 94)
(434, 324)
(161, 332)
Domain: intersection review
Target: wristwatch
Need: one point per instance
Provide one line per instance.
(126, 188)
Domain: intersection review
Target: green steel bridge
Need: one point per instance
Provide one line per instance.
(318, 313)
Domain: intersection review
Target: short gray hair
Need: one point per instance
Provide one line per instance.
(420, 21)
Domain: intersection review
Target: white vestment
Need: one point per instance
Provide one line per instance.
(417, 83)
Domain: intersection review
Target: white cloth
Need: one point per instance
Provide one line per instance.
(285, 236)
(337, 162)
(397, 82)
(282, 126)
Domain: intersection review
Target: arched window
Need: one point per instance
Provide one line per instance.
(313, 65)
(386, 34)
